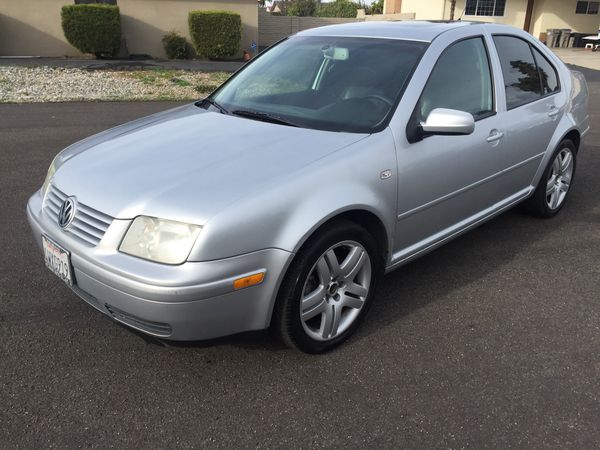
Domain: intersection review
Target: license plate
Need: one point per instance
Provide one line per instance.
(58, 260)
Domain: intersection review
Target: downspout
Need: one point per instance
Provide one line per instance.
(452, 9)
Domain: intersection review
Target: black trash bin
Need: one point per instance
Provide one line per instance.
(553, 37)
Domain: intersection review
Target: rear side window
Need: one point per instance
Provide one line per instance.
(461, 79)
(521, 76)
(547, 72)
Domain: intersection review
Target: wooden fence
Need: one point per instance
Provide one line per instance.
(272, 28)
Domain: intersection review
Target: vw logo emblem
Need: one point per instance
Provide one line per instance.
(66, 214)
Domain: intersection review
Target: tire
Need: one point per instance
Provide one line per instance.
(320, 304)
(553, 189)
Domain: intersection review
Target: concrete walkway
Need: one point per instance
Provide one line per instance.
(579, 57)
(114, 64)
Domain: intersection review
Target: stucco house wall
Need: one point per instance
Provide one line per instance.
(514, 12)
(33, 27)
(561, 14)
(546, 14)
(423, 9)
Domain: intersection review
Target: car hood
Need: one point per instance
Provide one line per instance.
(187, 163)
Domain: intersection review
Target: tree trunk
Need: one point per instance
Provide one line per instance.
(452, 8)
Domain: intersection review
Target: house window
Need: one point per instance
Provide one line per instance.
(485, 7)
(587, 7)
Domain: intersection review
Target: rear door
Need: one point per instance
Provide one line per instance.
(534, 104)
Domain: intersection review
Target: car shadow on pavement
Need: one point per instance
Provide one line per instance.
(591, 75)
(257, 340)
(477, 257)
(474, 258)
(466, 260)
(428, 279)
(481, 257)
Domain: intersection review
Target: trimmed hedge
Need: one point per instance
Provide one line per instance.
(92, 28)
(339, 8)
(175, 45)
(303, 8)
(215, 34)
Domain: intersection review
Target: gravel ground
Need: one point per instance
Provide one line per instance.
(49, 84)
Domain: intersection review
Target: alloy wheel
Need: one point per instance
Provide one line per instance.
(559, 179)
(335, 290)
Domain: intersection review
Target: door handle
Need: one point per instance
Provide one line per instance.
(553, 111)
(494, 136)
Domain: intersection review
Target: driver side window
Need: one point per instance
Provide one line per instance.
(461, 80)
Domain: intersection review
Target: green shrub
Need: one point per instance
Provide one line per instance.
(338, 8)
(376, 7)
(215, 34)
(93, 28)
(175, 45)
(302, 8)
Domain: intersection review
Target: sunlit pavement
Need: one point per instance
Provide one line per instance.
(579, 57)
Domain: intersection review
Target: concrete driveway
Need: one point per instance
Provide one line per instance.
(493, 341)
(579, 57)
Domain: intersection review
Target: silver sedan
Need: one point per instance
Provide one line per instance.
(337, 155)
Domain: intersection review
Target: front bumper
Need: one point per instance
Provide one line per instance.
(191, 301)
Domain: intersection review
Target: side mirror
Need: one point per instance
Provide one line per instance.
(448, 122)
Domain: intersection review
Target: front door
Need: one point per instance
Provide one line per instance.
(444, 181)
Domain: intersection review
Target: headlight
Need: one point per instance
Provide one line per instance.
(49, 175)
(159, 240)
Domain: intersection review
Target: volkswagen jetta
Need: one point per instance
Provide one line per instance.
(337, 155)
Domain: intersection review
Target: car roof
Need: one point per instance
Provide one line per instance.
(416, 30)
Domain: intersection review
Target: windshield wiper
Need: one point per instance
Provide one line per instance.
(211, 102)
(263, 117)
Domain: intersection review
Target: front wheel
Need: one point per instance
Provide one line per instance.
(328, 288)
(555, 184)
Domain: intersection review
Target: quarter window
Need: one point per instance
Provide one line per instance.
(548, 74)
(461, 80)
(521, 76)
(587, 8)
(485, 7)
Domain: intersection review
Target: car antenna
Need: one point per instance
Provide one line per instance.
(461, 14)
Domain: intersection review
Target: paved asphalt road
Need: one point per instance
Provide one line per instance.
(491, 341)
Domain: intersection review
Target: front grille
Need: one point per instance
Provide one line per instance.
(89, 225)
(155, 328)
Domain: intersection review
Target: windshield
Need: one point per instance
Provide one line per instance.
(327, 83)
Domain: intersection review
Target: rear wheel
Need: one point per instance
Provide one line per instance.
(328, 288)
(555, 184)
